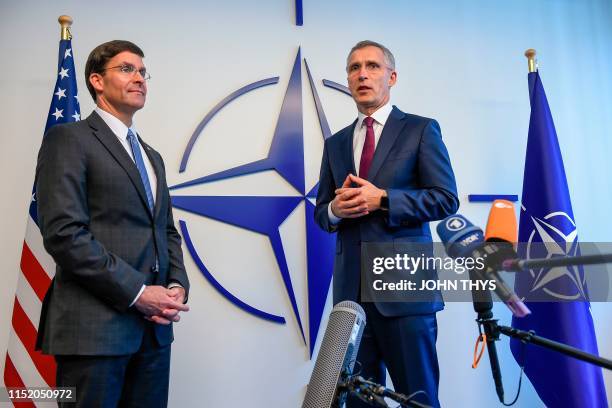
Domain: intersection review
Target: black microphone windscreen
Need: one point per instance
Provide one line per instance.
(459, 236)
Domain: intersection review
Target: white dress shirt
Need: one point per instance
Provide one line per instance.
(121, 131)
(359, 135)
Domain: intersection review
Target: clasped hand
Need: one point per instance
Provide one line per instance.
(354, 202)
(161, 305)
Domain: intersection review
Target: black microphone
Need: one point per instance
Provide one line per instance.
(336, 358)
(461, 239)
(502, 229)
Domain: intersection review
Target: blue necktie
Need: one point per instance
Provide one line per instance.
(141, 167)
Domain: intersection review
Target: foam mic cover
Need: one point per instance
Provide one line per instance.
(336, 357)
(502, 225)
(459, 236)
(502, 231)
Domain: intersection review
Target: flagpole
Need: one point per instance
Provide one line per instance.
(531, 61)
(65, 22)
(546, 196)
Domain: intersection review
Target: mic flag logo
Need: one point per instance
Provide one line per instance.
(263, 214)
(455, 224)
(553, 236)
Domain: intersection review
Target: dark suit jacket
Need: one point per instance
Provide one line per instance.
(95, 223)
(411, 163)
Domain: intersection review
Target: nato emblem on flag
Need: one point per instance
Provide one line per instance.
(548, 229)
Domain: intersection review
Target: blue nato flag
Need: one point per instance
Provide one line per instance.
(547, 217)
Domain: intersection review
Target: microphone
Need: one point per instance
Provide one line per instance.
(501, 235)
(463, 239)
(502, 229)
(502, 225)
(336, 358)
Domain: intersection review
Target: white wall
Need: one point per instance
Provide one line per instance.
(460, 62)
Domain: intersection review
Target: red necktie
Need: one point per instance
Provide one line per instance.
(368, 149)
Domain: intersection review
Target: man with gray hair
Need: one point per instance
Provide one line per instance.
(383, 178)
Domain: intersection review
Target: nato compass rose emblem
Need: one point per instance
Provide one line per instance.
(264, 215)
(552, 236)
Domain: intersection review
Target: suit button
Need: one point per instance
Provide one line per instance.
(154, 269)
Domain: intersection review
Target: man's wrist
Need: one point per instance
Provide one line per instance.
(137, 296)
(175, 284)
(333, 218)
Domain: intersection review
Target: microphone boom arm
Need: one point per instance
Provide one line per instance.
(531, 337)
(513, 265)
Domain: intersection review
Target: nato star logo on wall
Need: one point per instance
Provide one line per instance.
(266, 214)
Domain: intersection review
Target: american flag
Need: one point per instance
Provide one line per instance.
(24, 366)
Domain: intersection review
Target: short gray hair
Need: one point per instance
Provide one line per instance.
(389, 58)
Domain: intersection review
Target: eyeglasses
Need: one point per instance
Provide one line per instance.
(129, 69)
(370, 67)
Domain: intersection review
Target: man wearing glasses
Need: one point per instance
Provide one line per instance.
(106, 219)
(383, 178)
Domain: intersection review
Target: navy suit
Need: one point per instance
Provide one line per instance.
(412, 164)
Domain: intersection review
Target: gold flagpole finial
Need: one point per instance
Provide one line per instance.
(531, 61)
(65, 22)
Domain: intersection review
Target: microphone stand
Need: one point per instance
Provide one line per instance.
(492, 328)
(487, 324)
(374, 394)
(513, 265)
(483, 306)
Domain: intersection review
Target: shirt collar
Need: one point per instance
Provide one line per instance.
(117, 126)
(380, 116)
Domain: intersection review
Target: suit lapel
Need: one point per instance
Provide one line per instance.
(109, 140)
(157, 167)
(389, 135)
(347, 148)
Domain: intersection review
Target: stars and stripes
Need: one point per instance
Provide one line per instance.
(26, 367)
(65, 101)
